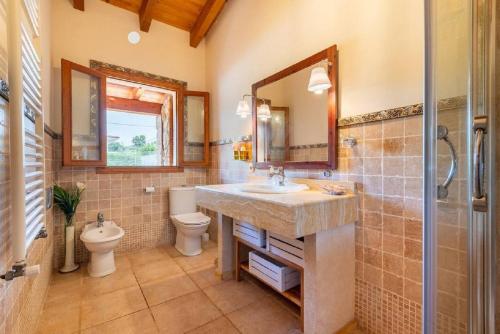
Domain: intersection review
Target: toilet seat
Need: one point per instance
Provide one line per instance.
(192, 219)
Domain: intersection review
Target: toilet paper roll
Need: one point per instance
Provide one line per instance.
(149, 189)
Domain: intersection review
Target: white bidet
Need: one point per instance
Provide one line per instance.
(100, 241)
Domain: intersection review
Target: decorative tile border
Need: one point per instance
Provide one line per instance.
(48, 130)
(298, 147)
(412, 110)
(98, 64)
(406, 111)
(4, 90)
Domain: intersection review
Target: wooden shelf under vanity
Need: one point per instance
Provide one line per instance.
(294, 295)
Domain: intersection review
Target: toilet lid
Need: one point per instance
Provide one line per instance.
(196, 218)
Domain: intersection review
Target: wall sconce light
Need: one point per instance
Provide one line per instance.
(264, 112)
(319, 81)
(243, 109)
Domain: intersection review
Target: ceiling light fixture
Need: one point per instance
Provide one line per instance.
(319, 81)
(134, 37)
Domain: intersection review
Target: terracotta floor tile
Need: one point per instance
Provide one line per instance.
(171, 251)
(136, 323)
(122, 261)
(206, 258)
(156, 270)
(232, 295)
(120, 279)
(205, 276)
(148, 256)
(115, 303)
(99, 309)
(184, 313)
(62, 293)
(265, 316)
(73, 278)
(163, 290)
(60, 318)
(219, 326)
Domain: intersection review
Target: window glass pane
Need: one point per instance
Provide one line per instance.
(194, 128)
(84, 116)
(134, 139)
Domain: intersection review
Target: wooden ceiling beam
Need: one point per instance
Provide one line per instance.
(146, 14)
(208, 14)
(79, 4)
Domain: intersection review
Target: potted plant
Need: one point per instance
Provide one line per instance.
(67, 201)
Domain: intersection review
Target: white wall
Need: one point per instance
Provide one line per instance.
(380, 46)
(100, 33)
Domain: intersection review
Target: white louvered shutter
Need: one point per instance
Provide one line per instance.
(33, 129)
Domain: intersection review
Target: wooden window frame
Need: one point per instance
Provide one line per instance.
(206, 147)
(66, 90)
(139, 77)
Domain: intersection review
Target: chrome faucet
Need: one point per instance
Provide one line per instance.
(280, 171)
(100, 219)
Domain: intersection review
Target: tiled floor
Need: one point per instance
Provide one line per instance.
(159, 291)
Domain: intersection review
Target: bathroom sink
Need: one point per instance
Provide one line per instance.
(265, 188)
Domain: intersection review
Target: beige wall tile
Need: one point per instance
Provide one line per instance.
(393, 283)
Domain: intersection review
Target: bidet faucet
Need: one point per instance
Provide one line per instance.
(280, 171)
(100, 219)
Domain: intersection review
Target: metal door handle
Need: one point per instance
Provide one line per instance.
(442, 190)
(479, 198)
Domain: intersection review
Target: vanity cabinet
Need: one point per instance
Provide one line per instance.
(309, 231)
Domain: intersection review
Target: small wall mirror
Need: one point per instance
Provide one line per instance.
(295, 113)
(196, 141)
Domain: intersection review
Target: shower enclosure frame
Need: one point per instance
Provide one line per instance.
(481, 231)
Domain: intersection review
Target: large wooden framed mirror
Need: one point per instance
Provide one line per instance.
(295, 124)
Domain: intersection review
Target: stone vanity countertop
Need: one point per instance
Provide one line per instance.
(293, 215)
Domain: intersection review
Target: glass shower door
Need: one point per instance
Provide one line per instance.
(459, 167)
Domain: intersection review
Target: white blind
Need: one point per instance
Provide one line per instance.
(31, 7)
(33, 139)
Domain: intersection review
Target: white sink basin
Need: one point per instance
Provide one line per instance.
(265, 188)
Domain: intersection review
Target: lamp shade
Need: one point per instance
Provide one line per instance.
(319, 80)
(263, 112)
(243, 109)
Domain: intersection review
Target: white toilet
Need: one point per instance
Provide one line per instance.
(189, 223)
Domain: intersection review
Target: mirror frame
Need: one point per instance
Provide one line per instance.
(330, 54)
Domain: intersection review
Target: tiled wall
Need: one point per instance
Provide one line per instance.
(121, 198)
(386, 165)
(21, 300)
(193, 152)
